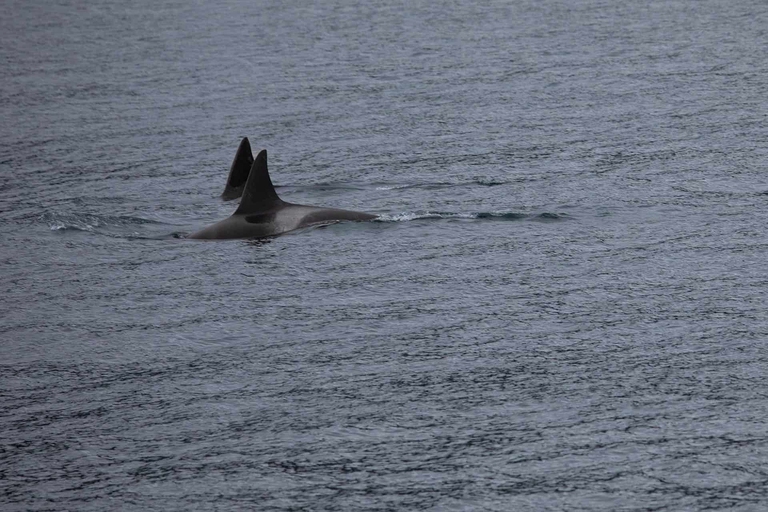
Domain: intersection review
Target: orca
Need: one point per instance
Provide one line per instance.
(263, 214)
(238, 171)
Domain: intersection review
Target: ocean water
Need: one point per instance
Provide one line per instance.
(561, 305)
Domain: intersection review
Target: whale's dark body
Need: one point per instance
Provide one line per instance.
(263, 214)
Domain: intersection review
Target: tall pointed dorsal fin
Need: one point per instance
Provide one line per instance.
(238, 171)
(259, 193)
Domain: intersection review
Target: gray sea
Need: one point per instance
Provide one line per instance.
(561, 306)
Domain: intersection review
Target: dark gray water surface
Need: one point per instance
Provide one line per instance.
(561, 307)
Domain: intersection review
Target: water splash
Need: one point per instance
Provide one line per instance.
(499, 216)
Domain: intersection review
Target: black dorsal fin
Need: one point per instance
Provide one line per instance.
(259, 193)
(238, 172)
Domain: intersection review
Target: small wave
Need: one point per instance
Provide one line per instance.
(405, 186)
(511, 216)
(392, 187)
(65, 227)
(106, 224)
(322, 187)
(483, 182)
(176, 235)
(548, 217)
(489, 182)
(502, 215)
(723, 193)
(408, 216)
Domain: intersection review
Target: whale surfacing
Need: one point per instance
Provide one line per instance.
(263, 214)
(238, 171)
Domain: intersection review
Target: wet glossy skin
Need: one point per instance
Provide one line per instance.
(276, 221)
(238, 171)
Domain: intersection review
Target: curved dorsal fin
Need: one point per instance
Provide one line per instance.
(238, 172)
(259, 193)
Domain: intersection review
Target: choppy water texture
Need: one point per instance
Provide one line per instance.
(561, 307)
